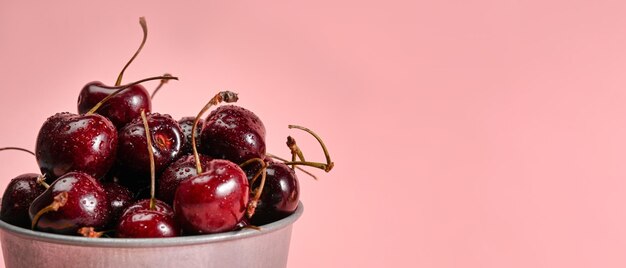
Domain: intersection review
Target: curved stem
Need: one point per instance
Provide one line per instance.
(120, 88)
(257, 195)
(222, 96)
(326, 167)
(18, 149)
(163, 82)
(144, 28)
(297, 167)
(258, 173)
(59, 201)
(151, 156)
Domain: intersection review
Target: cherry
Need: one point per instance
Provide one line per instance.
(233, 133)
(73, 201)
(145, 219)
(18, 196)
(178, 171)
(119, 199)
(213, 201)
(69, 142)
(280, 194)
(120, 109)
(167, 140)
(186, 124)
(147, 224)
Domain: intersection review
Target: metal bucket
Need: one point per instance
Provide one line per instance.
(268, 247)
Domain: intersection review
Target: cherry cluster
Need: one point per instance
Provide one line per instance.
(118, 169)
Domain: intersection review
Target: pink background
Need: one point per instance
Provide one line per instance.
(465, 133)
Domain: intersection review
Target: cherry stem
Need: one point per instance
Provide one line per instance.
(41, 180)
(120, 88)
(163, 82)
(323, 166)
(151, 155)
(297, 167)
(258, 173)
(295, 150)
(18, 149)
(222, 96)
(59, 201)
(257, 195)
(144, 28)
(90, 232)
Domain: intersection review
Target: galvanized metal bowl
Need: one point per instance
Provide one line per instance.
(268, 247)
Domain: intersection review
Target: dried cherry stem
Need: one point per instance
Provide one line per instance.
(295, 150)
(297, 167)
(120, 88)
(222, 96)
(257, 195)
(144, 28)
(151, 156)
(18, 149)
(41, 180)
(323, 166)
(59, 201)
(90, 232)
(163, 82)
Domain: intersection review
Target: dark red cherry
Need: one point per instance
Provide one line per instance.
(17, 197)
(144, 204)
(182, 169)
(121, 108)
(186, 124)
(145, 223)
(69, 142)
(119, 199)
(233, 133)
(213, 201)
(167, 140)
(280, 194)
(80, 200)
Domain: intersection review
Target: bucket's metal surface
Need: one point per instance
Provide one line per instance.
(268, 247)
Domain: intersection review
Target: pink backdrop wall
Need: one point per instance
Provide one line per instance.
(465, 133)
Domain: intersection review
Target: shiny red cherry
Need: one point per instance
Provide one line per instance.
(233, 133)
(73, 201)
(213, 201)
(139, 221)
(280, 194)
(17, 197)
(121, 108)
(69, 142)
(182, 169)
(147, 224)
(167, 140)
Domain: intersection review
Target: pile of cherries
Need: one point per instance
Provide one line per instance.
(120, 170)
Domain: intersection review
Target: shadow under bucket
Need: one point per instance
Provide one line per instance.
(268, 247)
